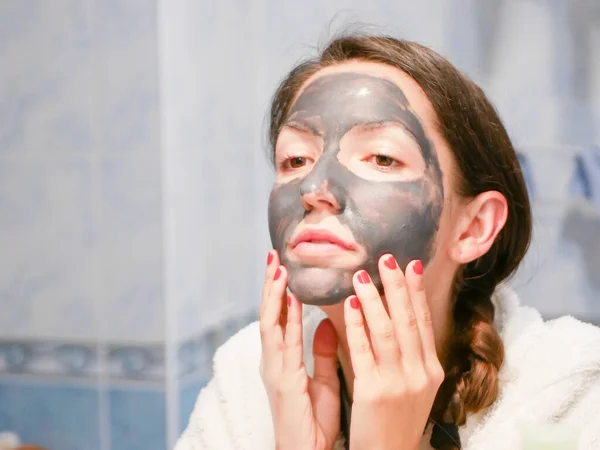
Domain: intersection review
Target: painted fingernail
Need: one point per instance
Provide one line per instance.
(289, 301)
(418, 267)
(390, 262)
(277, 273)
(269, 259)
(354, 302)
(363, 277)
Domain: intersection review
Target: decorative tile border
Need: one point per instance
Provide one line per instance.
(136, 362)
(123, 362)
(72, 360)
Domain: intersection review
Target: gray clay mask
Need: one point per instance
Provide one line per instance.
(397, 217)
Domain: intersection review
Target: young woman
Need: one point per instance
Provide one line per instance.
(398, 210)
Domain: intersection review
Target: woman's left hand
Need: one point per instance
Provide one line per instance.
(396, 368)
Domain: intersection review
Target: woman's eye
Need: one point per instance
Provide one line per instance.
(295, 163)
(384, 161)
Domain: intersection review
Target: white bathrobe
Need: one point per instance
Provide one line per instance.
(551, 374)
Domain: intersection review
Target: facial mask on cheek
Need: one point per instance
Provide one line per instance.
(396, 217)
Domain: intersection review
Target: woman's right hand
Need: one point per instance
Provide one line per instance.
(305, 410)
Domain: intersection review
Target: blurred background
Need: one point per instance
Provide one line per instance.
(134, 184)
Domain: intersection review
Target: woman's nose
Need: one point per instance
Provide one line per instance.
(315, 196)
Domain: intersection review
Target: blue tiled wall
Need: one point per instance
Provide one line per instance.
(65, 417)
(137, 418)
(188, 392)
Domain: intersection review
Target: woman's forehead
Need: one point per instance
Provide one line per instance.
(415, 95)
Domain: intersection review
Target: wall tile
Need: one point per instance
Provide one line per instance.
(561, 271)
(46, 231)
(137, 418)
(124, 46)
(129, 249)
(56, 416)
(585, 181)
(550, 172)
(188, 395)
(46, 91)
(526, 99)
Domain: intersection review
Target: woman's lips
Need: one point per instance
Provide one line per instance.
(319, 243)
(315, 248)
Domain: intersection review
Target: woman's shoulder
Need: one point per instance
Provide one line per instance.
(246, 341)
(563, 351)
(542, 354)
(531, 341)
(551, 374)
(577, 341)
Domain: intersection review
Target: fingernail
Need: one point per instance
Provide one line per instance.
(390, 262)
(363, 277)
(289, 301)
(354, 303)
(418, 267)
(277, 273)
(269, 258)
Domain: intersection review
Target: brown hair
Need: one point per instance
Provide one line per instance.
(486, 160)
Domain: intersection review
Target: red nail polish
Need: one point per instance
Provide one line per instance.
(390, 262)
(354, 303)
(418, 267)
(363, 277)
(289, 301)
(277, 273)
(269, 259)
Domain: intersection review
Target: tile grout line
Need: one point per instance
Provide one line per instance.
(103, 401)
(171, 378)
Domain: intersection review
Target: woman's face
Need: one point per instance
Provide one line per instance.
(361, 171)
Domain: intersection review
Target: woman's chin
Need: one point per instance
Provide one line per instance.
(320, 286)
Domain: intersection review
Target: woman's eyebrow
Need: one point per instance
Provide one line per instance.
(381, 125)
(304, 127)
(387, 124)
(384, 124)
(373, 126)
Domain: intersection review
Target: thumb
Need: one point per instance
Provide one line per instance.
(325, 346)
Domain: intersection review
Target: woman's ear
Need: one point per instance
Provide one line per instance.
(482, 220)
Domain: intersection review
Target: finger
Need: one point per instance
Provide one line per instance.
(272, 265)
(292, 357)
(381, 329)
(361, 354)
(401, 310)
(416, 289)
(270, 328)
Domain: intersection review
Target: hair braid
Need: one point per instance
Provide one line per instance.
(475, 357)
